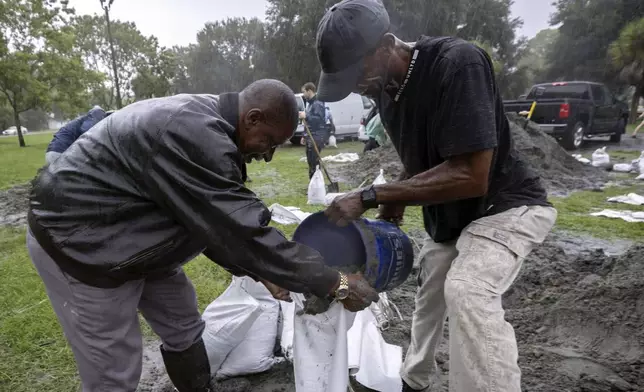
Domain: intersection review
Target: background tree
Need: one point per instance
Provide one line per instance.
(587, 28)
(38, 66)
(627, 54)
(132, 49)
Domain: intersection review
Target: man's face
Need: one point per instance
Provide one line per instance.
(308, 94)
(259, 139)
(375, 72)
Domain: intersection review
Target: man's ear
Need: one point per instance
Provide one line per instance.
(388, 43)
(254, 117)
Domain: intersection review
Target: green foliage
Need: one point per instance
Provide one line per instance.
(627, 55)
(586, 30)
(39, 67)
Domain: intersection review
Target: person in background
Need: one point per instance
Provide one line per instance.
(113, 220)
(329, 123)
(72, 131)
(484, 209)
(376, 133)
(634, 134)
(314, 115)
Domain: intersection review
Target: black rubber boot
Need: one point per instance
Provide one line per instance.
(189, 370)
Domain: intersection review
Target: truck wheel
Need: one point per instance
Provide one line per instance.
(296, 140)
(620, 129)
(574, 138)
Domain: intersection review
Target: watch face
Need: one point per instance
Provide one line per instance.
(342, 294)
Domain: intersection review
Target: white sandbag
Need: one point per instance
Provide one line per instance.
(632, 198)
(640, 177)
(317, 191)
(625, 215)
(287, 310)
(640, 163)
(287, 215)
(320, 349)
(328, 199)
(333, 142)
(344, 157)
(254, 354)
(228, 318)
(380, 179)
(623, 167)
(374, 363)
(600, 158)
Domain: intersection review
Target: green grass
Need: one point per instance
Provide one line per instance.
(19, 165)
(574, 213)
(34, 353)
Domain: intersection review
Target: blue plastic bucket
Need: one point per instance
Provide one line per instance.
(380, 249)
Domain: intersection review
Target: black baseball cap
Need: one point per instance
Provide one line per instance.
(346, 34)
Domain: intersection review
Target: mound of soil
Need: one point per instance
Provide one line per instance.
(559, 171)
(13, 205)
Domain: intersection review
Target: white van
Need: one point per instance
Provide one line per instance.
(346, 116)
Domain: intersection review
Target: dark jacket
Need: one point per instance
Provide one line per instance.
(74, 129)
(316, 118)
(156, 184)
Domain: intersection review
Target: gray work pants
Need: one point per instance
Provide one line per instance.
(464, 280)
(102, 325)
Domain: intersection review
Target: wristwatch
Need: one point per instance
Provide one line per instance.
(342, 292)
(368, 198)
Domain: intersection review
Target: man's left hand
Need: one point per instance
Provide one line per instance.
(277, 292)
(302, 115)
(345, 208)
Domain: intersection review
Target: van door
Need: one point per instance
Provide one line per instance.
(346, 115)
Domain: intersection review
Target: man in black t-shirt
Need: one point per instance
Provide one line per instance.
(483, 208)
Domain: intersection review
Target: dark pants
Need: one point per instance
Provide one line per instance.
(311, 155)
(371, 144)
(102, 325)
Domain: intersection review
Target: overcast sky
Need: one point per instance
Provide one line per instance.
(176, 22)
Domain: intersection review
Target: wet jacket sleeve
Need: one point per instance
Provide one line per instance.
(195, 174)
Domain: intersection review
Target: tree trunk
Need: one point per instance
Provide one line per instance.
(639, 91)
(119, 103)
(16, 119)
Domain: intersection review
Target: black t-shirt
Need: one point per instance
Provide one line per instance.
(449, 105)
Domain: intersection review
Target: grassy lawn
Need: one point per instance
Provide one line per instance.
(34, 352)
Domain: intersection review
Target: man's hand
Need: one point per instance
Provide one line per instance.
(361, 294)
(302, 115)
(391, 213)
(345, 208)
(277, 292)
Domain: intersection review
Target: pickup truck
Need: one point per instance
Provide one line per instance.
(573, 111)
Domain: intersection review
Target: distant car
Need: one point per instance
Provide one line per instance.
(574, 111)
(346, 116)
(14, 131)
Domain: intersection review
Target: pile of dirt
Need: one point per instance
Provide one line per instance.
(13, 205)
(579, 321)
(559, 171)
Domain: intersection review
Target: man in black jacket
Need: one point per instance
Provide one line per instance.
(483, 208)
(114, 218)
(315, 117)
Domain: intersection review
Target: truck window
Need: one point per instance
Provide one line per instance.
(557, 91)
(608, 96)
(599, 98)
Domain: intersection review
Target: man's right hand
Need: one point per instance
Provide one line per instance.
(391, 213)
(361, 294)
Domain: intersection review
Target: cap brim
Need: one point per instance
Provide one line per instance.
(334, 87)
